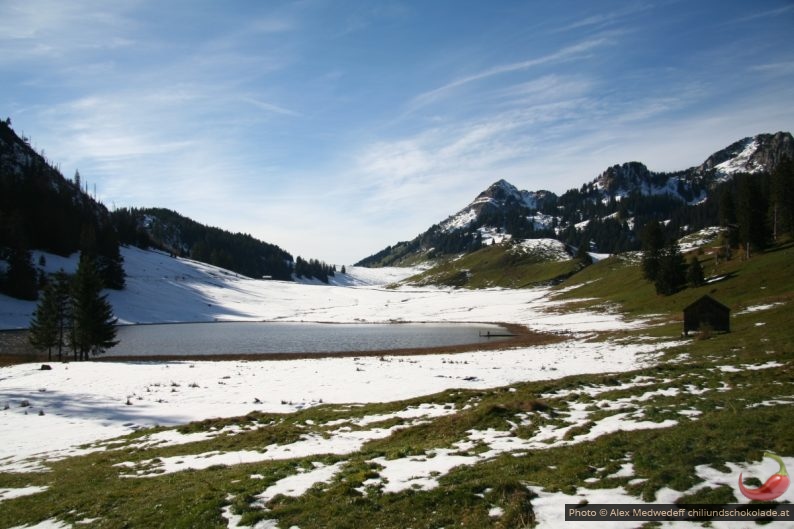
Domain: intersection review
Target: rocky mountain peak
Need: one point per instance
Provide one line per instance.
(626, 176)
(750, 155)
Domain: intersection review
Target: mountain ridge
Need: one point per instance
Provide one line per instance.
(615, 203)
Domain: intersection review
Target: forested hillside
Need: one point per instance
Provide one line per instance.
(40, 209)
(168, 230)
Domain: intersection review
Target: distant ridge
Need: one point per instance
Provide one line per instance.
(603, 213)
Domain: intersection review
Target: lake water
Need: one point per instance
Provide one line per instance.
(228, 338)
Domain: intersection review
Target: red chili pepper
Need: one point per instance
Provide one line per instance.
(774, 487)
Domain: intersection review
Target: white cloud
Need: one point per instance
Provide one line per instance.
(578, 50)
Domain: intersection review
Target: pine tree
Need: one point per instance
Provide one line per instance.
(652, 249)
(43, 331)
(672, 270)
(93, 325)
(63, 297)
(751, 213)
(782, 198)
(112, 265)
(727, 215)
(694, 273)
(582, 254)
(52, 316)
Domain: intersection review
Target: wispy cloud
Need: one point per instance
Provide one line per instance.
(763, 14)
(269, 107)
(574, 51)
(602, 20)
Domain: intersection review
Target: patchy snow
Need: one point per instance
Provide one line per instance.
(550, 514)
(490, 235)
(596, 257)
(86, 402)
(461, 220)
(758, 308)
(740, 163)
(52, 523)
(699, 239)
(8, 494)
(548, 249)
(418, 472)
(298, 484)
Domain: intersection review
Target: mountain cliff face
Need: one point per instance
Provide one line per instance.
(602, 214)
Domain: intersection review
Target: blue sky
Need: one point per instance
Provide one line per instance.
(334, 128)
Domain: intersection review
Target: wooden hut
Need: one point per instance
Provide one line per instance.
(707, 312)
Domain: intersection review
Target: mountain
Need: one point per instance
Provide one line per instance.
(604, 214)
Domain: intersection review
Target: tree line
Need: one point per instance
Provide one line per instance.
(314, 268)
(169, 231)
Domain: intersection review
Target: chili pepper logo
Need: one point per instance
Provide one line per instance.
(774, 487)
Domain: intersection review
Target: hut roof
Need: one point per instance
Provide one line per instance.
(706, 299)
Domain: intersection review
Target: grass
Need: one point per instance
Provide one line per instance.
(724, 412)
(498, 265)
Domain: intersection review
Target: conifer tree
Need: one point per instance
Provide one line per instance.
(652, 246)
(93, 325)
(694, 273)
(782, 198)
(672, 270)
(43, 331)
(751, 213)
(582, 254)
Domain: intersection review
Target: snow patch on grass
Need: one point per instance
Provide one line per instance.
(8, 494)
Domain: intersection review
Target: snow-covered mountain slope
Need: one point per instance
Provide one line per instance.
(749, 155)
(499, 196)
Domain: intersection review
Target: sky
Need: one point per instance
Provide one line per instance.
(334, 128)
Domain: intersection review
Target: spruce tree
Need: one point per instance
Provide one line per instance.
(93, 325)
(52, 316)
(652, 249)
(694, 273)
(751, 213)
(63, 298)
(43, 331)
(672, 270)
(782, 198)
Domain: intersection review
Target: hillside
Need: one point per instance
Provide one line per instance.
(169, 231)
(508, 264)
(499, 439)
(605, 214)
(41, 210)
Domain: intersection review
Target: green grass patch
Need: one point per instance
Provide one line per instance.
(497, 265)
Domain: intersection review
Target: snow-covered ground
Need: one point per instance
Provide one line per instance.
(162, 289)
(85, 402)
(78, 407)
